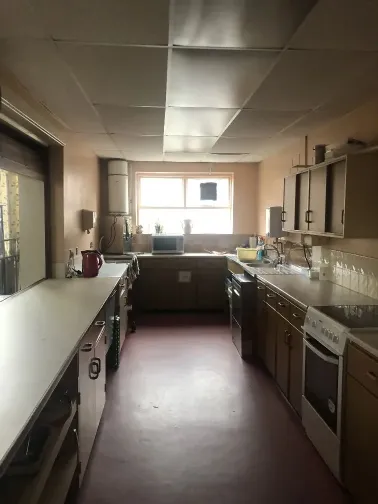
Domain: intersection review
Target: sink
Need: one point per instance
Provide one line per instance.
(259, 264)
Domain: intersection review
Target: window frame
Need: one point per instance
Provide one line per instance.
(186, 176)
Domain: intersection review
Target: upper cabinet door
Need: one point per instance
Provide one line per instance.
(290, 193)
(316, 216)
(336, 194)
(303, 179)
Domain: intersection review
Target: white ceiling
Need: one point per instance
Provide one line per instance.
(192, 80)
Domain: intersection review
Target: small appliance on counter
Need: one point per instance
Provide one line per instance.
(167, 244)
(92, 263)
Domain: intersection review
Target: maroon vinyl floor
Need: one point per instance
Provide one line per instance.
(188, 422)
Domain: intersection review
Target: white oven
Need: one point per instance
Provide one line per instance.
(167, 244)
(322, 386)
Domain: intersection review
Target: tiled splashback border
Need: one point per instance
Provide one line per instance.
(356, 272)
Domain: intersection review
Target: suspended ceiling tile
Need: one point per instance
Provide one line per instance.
(278, 143)
(188, 143)
(18, 19)
(227, 145)
(101, 141)
(192, 121)
(110, 21)
(212, 78)
(142, 156)
(109, 154)
(223, 158)
(340, 24)
(260, 123)
(143, 144)
(185, 157)
(132, 120)
(237, 23)
(304, 80)
(38, 66)
(119, 76)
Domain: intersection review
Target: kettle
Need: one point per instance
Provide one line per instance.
(92, 262)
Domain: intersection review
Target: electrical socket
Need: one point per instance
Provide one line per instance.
(77, 250)
(91, 245)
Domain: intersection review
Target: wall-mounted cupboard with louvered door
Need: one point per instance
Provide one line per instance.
(337, 198)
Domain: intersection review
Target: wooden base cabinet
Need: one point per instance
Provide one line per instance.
(282, 355)
(360, 439)
(270, 340)
(295, 373)
(92, 388)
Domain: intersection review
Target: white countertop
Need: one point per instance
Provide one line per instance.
(40, 330)
(111, 270)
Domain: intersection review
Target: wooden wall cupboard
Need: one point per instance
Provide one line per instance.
(360, 438)
(335, 198)
(180, 283)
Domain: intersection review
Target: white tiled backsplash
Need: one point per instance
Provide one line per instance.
(356, 272)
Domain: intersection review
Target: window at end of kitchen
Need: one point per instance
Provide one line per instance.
(168, 200)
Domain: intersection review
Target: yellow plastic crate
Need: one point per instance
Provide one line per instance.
(246, 254)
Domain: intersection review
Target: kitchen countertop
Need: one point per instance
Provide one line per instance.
(41, 329)
(305, 292)
(187, 254)
(368, 340)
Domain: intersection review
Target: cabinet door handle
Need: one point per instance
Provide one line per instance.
(270, 296)
(308, 216)
(87, 347)
(100, 323)
(94, 369)
(99, 364)
(342, 216)
(283, 216)
(296, 316)
(283, 305)
(371, 375)
(260, 287)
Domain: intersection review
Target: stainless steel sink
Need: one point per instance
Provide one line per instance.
(259, 264)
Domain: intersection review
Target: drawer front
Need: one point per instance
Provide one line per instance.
(271, 298)
(212, 263)
(363, 368)
(179, 263)
(297, 317)
(283, 306)
(261, 291)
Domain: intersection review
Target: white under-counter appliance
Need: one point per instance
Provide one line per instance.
(167, 244)
(325, 335)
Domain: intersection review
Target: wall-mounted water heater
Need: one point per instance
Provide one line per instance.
(118, 187)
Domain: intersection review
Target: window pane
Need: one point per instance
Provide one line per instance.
(170, 219)
(193, 192)
(209, 221)
(161, 192)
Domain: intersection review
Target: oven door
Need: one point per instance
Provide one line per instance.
(236, 303)
(322, 381)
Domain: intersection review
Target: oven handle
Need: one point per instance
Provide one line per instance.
(326, 358)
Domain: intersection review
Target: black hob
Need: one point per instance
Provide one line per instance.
(352, 316)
